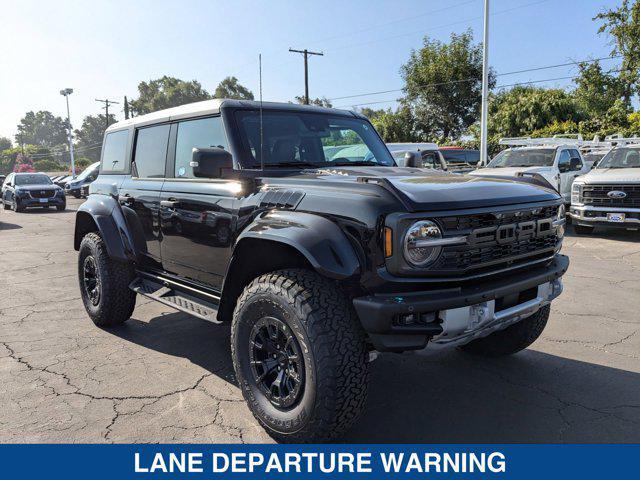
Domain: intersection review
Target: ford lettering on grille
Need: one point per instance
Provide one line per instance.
(512, 232)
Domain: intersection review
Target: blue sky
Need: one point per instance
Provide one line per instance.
(103, 49)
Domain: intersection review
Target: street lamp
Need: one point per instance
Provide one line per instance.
(66, 92)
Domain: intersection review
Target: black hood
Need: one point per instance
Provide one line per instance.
(421, 190)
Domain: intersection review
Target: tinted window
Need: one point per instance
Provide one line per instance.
(151, 151)
(114, 151)
(453, 155)
(564, 160)
(203, 133)
(621, 157)
(32, 179)
(526, 157)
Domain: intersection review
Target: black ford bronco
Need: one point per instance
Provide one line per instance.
(294, 224)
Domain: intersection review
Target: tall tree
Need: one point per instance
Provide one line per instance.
(41, 128)
(443, 83)
(523, 109)
(398, 126)
(89, 136)
(231, 88)
(596, 91)
(166, 92)
(623, 24)
(320, 102)
(5, 143)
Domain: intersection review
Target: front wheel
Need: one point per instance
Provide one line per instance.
(513, 338)
(300, 356)
(104, 283)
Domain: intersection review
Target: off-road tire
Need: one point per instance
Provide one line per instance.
(513, 338)
(116, 300)
(583, 229)
(333, 347)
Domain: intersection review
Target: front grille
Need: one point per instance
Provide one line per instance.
(597, 195)
(487, 256)
(42, 193)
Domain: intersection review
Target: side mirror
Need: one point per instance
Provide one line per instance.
(413, 159)
(576, 164)
(564, 167)
(210, 162)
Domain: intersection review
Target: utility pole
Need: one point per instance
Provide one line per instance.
(485, 88)
(107, 102)
(66, 92)
(306, 54)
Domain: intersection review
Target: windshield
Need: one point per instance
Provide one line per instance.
(87, 171)
(33, 179)
(310, 140)
(542, 157)
(624, 157)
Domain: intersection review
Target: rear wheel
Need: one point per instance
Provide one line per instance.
(583, 229)
(300, 356)
(513, 338)
(104, 283)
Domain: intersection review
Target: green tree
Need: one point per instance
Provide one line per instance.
(524, 109)
(48, 166)
(596, 91)
(166, 92)
(89, 136)
(41, 128)
(320, 102)
(5, 144)
(231, 88)
(443, 83)
(398, 126)
(623, 24)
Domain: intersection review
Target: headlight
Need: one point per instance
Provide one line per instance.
(421, 243)
(576, 193)
(561, 220)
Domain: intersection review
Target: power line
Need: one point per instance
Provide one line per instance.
(534, 69)
(107, 102)
(306, 54)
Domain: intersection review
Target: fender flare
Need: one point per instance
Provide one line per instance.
(317, 238)
(108, 217)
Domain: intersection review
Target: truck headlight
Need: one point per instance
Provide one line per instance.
(421, 243)
(576, 193)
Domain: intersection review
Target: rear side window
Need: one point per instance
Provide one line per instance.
(202, 133)
(114, 152)
(151, 151)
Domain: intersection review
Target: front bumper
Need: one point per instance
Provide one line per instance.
(458, 315)
(593, 216)
(29, 202)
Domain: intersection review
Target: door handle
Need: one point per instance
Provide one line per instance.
(125, 199)
(171, 203)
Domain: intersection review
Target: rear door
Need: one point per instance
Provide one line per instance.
(196, 213)
(140, 193)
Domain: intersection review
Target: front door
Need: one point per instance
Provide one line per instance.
(196, 213)
(570, 166)
(140, 194)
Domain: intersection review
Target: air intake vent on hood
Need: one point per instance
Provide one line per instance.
(286, 199)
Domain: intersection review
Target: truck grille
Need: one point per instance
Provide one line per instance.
(489, 255)
(42, 193)
(597, 195)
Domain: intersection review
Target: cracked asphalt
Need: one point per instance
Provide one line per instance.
(167, 377)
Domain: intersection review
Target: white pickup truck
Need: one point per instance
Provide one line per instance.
(609, 195)
(557, 160)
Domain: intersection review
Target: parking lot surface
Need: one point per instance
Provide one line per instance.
(167, 377)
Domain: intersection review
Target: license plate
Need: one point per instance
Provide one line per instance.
(615, 217)
(44, 200)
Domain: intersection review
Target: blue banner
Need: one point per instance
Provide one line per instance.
(119, 462)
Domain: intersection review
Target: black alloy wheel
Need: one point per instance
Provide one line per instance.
(276, 362)
(91, 280)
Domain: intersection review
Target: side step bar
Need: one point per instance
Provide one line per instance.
(173, 298)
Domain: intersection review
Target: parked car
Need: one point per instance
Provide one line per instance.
(77, 186)
(609, 195)
(317, 259)
(62, 181)
(463, 159)
(430, 157)
(558, 163)
(26, 190)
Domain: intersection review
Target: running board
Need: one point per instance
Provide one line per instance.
(176, 299)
